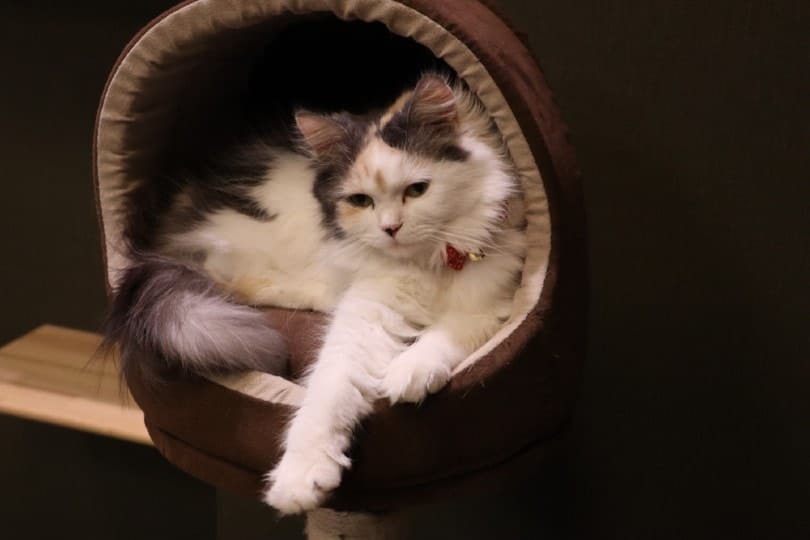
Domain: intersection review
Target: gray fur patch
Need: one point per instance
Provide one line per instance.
(221, 183)
(434, 141)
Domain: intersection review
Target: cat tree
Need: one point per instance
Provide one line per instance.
(191, 74)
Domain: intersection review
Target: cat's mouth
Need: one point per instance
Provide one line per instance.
(401, 246)
(395, 247)
(404, 250)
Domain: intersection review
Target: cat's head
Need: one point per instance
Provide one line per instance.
(413, 179)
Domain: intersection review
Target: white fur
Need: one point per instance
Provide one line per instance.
(400, 290)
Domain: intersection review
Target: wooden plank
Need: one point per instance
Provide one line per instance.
(63, 346)
(47, 375)
(62, 379)
(79, 413)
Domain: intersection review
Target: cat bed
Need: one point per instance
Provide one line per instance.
(189, 77)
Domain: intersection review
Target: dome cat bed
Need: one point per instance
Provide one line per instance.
(190, 76)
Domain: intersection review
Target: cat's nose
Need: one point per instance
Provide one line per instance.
(391, 230)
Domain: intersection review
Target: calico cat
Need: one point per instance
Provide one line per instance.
(405, 225)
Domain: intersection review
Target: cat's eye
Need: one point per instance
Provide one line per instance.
(360, 200)
(417, 189)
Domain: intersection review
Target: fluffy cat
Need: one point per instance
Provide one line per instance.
(405, 225)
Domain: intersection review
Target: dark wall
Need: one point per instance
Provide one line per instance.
(691, 127)
(55, 58)
(691, 124)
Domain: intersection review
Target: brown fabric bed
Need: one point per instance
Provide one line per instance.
(184, 79)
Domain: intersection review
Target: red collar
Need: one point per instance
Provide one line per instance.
(457, 259)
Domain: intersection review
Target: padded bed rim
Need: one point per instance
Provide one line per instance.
(496, 473)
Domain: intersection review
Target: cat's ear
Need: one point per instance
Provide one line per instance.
(433, 104)
(323, 135)
(426, 121)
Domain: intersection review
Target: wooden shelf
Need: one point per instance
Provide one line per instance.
(52, 375)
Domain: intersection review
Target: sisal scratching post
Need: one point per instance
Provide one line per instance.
(325, 524)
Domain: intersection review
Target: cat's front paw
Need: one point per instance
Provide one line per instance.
(413, 375)
(302, 480)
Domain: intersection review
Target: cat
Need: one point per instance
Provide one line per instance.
(405, 225)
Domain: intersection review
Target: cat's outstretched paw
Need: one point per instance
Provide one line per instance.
(302, 481)
(413, 375)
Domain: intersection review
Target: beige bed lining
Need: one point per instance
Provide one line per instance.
(183, 27)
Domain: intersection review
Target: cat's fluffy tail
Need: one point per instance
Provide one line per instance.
(166, 315)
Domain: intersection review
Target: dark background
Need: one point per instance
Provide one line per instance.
(690, 121)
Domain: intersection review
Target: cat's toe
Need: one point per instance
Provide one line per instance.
(411, 378)
(302, 481)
